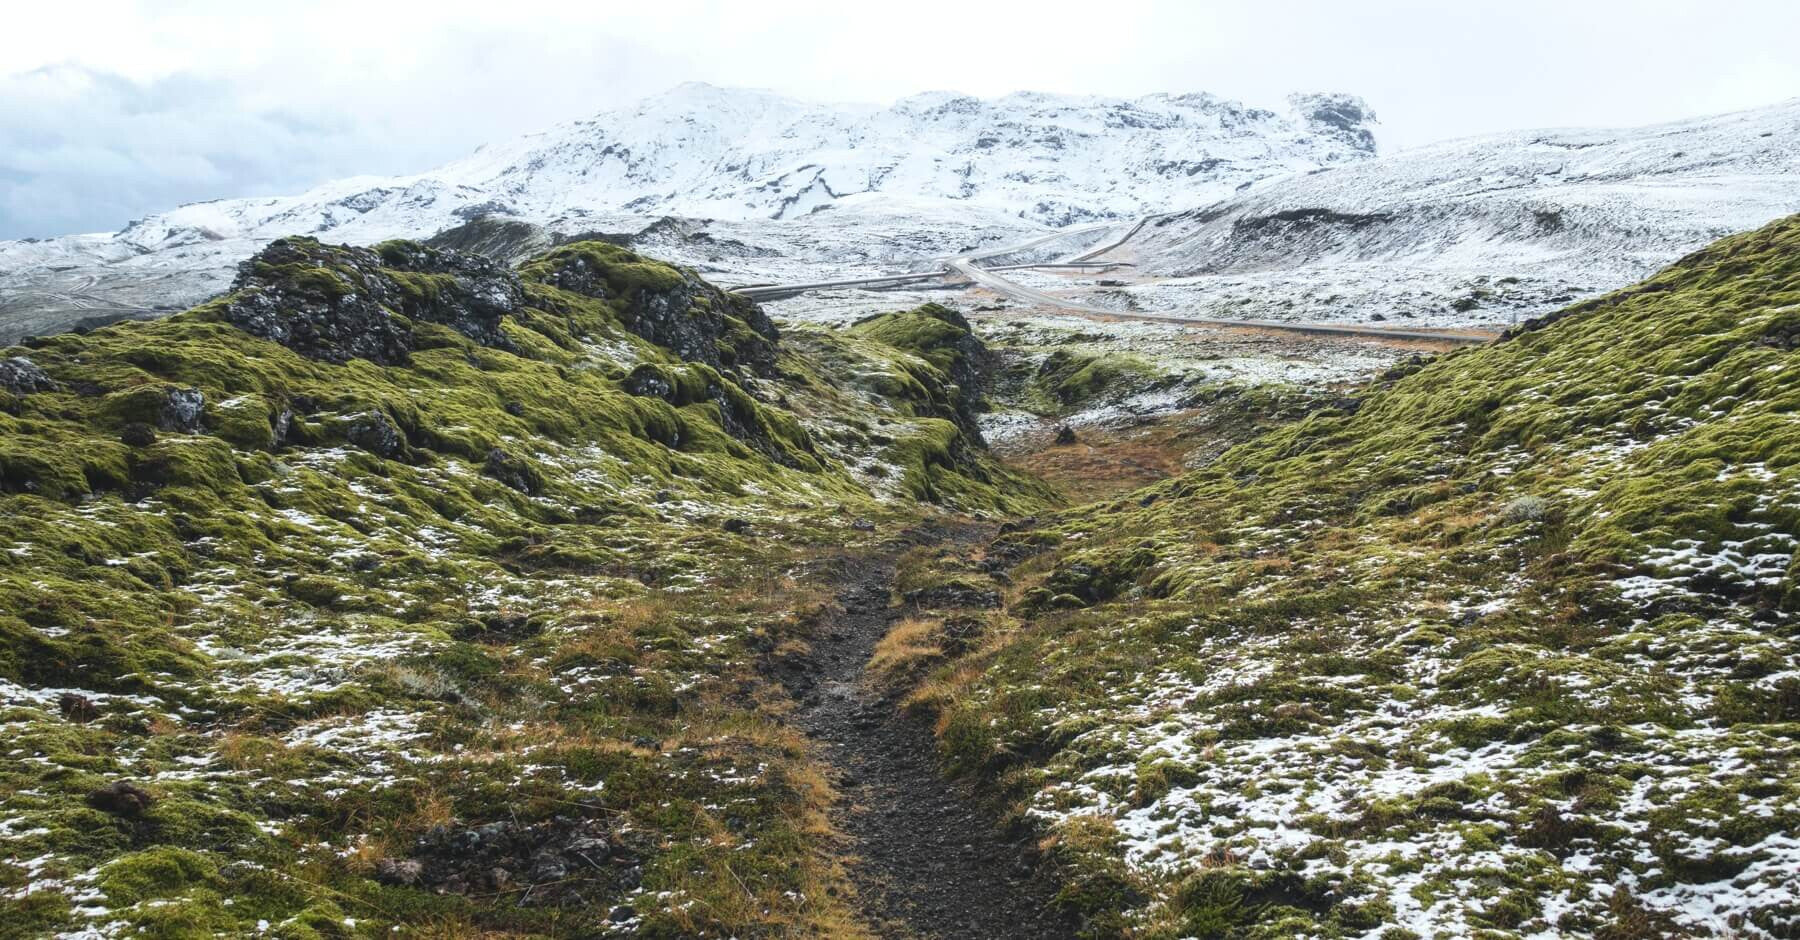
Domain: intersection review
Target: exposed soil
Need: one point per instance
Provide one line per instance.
(927, 861)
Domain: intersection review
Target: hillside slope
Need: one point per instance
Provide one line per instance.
(1506, 647)
(1481, 230)
(399, 589)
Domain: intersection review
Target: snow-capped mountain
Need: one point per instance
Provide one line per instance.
(725, 153)
(939, 170)
(1477, 231)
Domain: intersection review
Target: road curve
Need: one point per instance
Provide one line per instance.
(1130, 233)
(994, 282)
(965, 265)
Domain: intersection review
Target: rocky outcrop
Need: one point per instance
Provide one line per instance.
(182, 410)
(942, 337)
(376, 433)
(20, 376)
(1337, 116)
(669, 306)
(336, 303)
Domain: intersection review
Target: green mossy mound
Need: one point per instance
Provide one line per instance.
(944, 339)
(928, 365)
(1515, 607)
(391, 551)
(1067, 380)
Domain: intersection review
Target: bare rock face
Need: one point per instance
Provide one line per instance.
(1344, 117)
(181, 410)
(336, 303)
(20, 376)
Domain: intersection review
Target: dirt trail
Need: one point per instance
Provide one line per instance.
(927, 862)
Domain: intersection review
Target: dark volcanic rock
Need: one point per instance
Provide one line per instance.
(121, 798)
(336, 303)
(471, 292)
(181, 410)
(514, 472)
(672, 307)
(1785, 336)
(576, 273)
(648, 381)
(399, 871)
(374, 432)
(22, 377)
(564, 861)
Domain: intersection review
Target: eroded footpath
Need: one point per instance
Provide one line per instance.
(925, 857)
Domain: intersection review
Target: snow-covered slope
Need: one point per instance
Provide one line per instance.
(1477, 231)
(933, 173)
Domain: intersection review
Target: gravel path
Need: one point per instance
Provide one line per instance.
(927, 861)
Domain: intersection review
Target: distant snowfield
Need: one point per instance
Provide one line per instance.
(1269, 216)
(1476, 232)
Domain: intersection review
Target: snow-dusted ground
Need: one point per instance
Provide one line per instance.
(1470, 818)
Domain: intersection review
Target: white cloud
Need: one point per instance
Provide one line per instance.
(112, 109)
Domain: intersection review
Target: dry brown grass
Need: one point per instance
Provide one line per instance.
(1104, 464)
(903, 655)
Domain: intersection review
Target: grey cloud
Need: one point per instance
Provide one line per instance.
(85, 150)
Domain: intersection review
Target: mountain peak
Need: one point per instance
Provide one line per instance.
(1345, 117)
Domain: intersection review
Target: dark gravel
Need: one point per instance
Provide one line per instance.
(926, 859)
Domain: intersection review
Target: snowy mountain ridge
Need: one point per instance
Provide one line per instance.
(1015, 164)
(1477, 231)
(700, 150)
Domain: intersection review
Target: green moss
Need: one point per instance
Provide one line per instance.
(1498, 536)
(155, 873)
(328, 621)
(933, 332)
(1068, 380)
(321, 281)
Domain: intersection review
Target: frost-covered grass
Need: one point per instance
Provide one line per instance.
(1505, 647)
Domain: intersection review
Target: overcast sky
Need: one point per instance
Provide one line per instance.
(111, 110)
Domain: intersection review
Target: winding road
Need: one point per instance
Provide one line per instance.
(968, 268)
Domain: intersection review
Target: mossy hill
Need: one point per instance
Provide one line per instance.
(1506, 646)
(400, 590)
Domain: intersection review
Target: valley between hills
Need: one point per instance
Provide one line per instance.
(504, 572)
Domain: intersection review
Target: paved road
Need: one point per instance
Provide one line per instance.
(772, 291)
(965, 265)
(994, 282)
(1130, 233)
